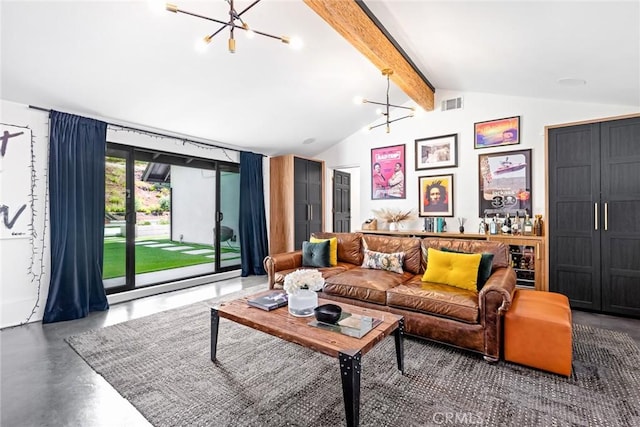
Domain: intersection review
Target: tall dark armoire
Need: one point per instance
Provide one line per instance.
(594, 214)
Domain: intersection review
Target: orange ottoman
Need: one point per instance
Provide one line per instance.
(537, 331)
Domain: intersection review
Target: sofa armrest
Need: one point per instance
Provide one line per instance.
(494, 300)
(284, 261)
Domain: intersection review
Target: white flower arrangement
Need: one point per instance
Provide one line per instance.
(303, 279)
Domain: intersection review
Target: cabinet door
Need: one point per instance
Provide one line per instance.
(574, 205)
(620, 220)
(307, 199)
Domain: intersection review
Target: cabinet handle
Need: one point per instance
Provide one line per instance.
(595, 215)
(310, 212)
(538, 251)
(606, 216)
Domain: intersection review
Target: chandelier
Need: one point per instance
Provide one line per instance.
(235, 22)
(386, 72)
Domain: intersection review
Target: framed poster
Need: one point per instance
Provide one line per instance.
(496, 133)
(387, 173)
(16, 185)
(505, 183)
(437, 152)
(435, 195)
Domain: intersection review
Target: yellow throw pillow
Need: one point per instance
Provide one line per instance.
(453, 269)
(333, 248)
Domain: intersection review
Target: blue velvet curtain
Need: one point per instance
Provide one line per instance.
(76, 196)
(254, 246)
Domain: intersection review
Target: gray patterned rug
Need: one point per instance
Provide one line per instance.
(161, 365)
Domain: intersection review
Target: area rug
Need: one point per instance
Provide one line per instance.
(161, 364)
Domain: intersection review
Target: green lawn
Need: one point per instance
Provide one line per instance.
(153, 259)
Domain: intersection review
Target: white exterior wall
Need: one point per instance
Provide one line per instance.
(534, 114)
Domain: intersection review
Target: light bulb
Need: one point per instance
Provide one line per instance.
(366, 129)
(156, 6)
(358, 100)
(378, 111)
(296, 43)
(201, 45)
(418, 112)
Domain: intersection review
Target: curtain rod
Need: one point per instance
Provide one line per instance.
(47, 110)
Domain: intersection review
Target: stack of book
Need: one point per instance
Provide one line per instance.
(270, 301)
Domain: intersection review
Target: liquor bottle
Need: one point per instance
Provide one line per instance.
(538, 225)
(493, 226)
(528, 226)
(506, 225)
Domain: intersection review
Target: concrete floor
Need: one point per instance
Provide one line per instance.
(45, 383)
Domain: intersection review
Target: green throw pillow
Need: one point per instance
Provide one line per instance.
(315, 254)
(484, 271)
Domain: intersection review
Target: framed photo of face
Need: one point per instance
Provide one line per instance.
(495, 133)
(505, 183)
(437, 152)
(435, 195)
(388, 173)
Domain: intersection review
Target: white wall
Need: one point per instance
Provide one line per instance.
(25, 263)
(193, 204)
(534, 114)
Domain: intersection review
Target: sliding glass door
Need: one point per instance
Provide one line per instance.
(179, 218)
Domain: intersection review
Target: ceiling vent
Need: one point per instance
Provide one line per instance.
(452, 104)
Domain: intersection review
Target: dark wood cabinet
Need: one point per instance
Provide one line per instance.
(594, 214)
(296, 201)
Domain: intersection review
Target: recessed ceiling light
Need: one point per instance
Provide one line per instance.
(309, 141)
(572, 82)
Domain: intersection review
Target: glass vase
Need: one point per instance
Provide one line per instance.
(302, 302)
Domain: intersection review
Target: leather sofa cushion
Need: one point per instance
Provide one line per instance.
(364, 284)
(349, 246)
(499, 250)
(388, 244)
(325, 271)
(435, 299)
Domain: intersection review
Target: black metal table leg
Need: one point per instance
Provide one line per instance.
(399, 333)
(215, 320)
(350, 374)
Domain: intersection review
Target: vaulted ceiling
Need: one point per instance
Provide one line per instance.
(123, 62)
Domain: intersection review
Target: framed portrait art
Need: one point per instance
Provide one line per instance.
(388, 173)
(505, 183)
(435, 195)
(496, 133)
(437, 152)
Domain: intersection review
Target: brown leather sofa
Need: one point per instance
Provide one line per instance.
(462, 318)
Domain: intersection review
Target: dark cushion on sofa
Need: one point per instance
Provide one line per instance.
(315, 254)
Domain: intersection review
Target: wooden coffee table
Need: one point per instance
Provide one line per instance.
(348, 350)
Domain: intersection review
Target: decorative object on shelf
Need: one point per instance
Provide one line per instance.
(495, 133)
(235, 22)
(538, 225)
(394, 216)
(436, 195)
(328, 313)
(370, 224)
(528, 226)
(505, 183)
(461, 224)
(359, 100)
(437, 152)
(388, 173)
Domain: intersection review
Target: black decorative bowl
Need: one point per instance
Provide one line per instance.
(327, 313)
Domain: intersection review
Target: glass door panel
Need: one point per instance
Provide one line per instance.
(117, 203)
(229, 244)
(175, 221)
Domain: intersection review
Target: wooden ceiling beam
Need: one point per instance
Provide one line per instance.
(355, 22)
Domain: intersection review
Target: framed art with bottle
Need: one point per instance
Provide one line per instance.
(505, 183)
